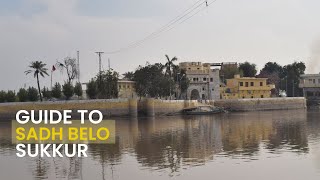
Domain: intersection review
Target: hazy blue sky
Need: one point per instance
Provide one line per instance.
(229, 30)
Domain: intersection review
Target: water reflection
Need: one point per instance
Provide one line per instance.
(176, 143)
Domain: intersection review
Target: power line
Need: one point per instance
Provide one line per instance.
(181, 21)
(171, 24)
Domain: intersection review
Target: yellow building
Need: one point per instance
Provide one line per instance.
(126, 89)
(246, 87)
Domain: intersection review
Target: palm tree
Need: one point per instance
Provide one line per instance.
(37, 67)
(170, 66)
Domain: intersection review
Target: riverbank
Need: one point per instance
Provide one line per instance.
(263, 104)
(150, 106)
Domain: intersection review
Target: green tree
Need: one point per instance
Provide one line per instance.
(228, 71)
(3, 96)
(92, 89)
(78, 89)
(248, 69)
(22, 95)
(108, 86)
(169, 69)
(11, 96)
(37, 67)
(68, 90)
(128, 75)
(291, 74)
(274, 72)
(272, 67)
(56, 90)
(33, 94)
(152, 82)
(46, 93)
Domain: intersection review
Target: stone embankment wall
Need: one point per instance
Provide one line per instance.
(262, 104)
(149, 106)
(152, 107)
(112, 107)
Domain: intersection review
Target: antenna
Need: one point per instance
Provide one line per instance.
(109, 63)
(78, 59)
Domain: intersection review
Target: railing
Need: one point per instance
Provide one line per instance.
(309, 85)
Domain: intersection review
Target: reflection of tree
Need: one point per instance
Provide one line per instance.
(41, 167)
(291, 134)
(164, 152)
(243, 136)
(189, 143)
(5, 137)
(64, 167)
(106, 154)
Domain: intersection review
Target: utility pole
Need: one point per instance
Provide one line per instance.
(99, 54)
(78, 59)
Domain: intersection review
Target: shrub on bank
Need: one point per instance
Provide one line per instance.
(11, 96)
(46, 93)
(68, 90)
(78, 90)
(22, 95)
(3, 96)
(56, 91)
(33, 94)
(92, 89)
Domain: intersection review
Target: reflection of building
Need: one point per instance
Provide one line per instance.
(204, 81)
(310, 83)
(126, 89)
(246, 87)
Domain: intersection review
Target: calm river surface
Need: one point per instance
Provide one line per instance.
(253, 145)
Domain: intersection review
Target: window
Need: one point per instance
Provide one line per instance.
(241, 83)
(194, 79)
(261, 83)
(211, 80)
(203, 88)
(261, 96)
(314, 81)
(318, 81)
(247, 84)
(204, 79)
(251, 83)
(119, 86)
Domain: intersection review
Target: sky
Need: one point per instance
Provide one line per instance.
(257, 31)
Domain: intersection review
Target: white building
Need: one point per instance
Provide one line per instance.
(310, 83)
(204, 80)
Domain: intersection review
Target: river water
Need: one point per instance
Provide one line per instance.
(250, 145)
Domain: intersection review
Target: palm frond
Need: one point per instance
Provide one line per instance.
(167, 57)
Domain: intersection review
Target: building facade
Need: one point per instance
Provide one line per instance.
(310, 83)
(246, 87)
(204, 81)
(126, 89)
